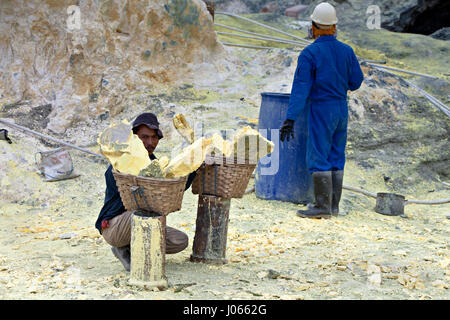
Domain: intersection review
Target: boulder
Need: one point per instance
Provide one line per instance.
(441, 34)
(271, 7)
(295, 10)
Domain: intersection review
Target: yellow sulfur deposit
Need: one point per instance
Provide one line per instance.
(251, 120)
(219, 147)
(189, 160)
(155, 169)
(123, 149)
(127, 154)
(184, 129)
(163, 162)
(249, 144)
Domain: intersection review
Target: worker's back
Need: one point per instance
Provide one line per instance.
(335, 69)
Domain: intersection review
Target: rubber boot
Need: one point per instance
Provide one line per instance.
(337, 178)
(123, 254)
(322, 181)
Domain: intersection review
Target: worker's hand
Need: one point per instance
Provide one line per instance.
(287, 130)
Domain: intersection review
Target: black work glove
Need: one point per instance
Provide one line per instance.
(287, 130)
(4, 135)
(190, 179)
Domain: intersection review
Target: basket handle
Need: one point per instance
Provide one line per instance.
(139, 190)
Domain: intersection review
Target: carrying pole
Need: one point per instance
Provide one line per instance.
(13, 125)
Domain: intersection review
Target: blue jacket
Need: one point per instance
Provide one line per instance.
(326, 70)
(113, 205)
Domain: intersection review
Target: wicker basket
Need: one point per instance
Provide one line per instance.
(223, 177)
(162, 196)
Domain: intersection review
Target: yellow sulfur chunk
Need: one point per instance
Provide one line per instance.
(156, 168)
(249, 144)
(183, 127)
(219, 147)
(251, 120)
(189, 160)
(163, 162)
(153, 170)
(123, 149)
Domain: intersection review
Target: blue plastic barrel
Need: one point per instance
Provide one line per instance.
(283, 174)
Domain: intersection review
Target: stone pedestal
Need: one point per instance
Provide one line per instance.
(148, 250)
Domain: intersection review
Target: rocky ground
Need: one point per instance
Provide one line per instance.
(51, 250)
(398, 142)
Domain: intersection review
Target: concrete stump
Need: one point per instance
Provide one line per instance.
(148, 250)
(210, 241)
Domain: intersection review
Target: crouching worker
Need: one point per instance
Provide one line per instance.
(114, 222)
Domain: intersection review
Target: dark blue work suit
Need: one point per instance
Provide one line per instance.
(326, 70)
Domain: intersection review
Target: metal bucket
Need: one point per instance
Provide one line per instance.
(390, 204)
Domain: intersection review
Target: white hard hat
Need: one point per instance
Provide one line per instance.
(324, 13)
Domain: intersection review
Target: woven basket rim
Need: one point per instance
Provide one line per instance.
(171, 180)
(209, 160)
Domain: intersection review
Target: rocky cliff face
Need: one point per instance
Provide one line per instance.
(76, 60)
(419, 16)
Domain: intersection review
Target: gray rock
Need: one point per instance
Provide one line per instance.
(66, 236)
(441, 34)
(272, 274)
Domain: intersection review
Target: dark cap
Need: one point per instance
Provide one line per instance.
(150, 120)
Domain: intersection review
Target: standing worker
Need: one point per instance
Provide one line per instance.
(326, 70)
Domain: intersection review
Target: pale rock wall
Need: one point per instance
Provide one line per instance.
(120, 47)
